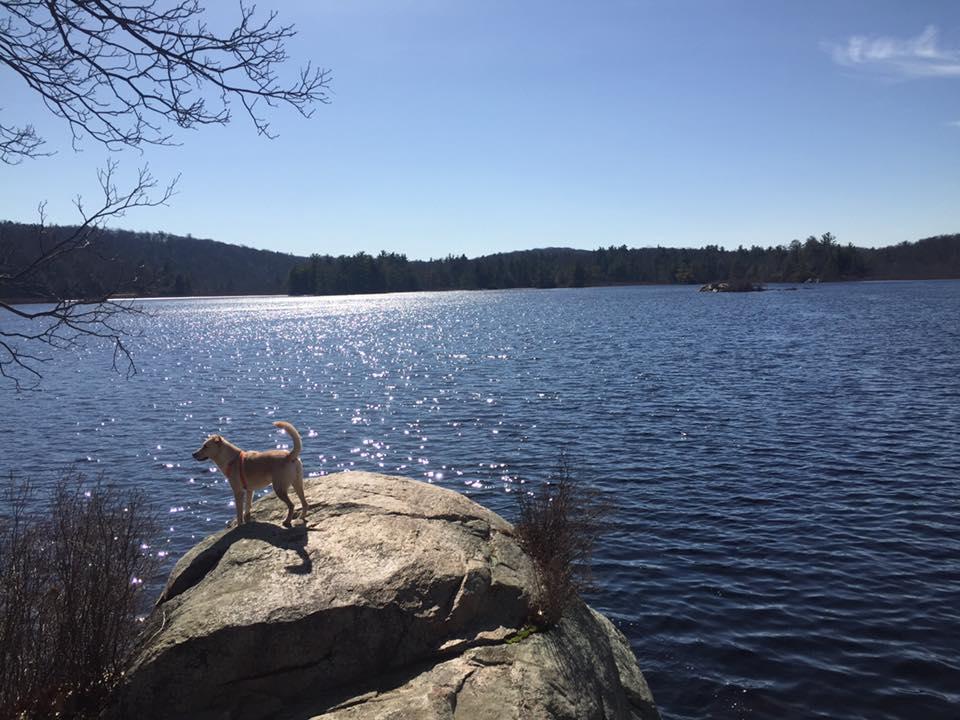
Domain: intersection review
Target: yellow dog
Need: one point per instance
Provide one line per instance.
(251, 470)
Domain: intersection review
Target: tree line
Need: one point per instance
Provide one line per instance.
(122, 262)
(817, 259)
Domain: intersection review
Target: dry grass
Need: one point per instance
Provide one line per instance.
(558, 527)
(70, 570)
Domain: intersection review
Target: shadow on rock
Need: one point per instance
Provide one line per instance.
(208, 555)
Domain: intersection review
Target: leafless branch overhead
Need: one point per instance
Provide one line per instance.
(28, 332)
(119, 71)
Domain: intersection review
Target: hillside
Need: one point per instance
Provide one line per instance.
(156, 264)
(126, 262)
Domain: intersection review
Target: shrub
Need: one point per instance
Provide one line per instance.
(558, 527)
(70, 574)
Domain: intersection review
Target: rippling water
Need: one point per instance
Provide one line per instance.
(785, 465)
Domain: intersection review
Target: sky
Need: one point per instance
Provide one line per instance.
(481, 127)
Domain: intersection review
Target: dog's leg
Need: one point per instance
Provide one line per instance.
(298, 486)
(238, 502)
(248, 506)
(281, 491)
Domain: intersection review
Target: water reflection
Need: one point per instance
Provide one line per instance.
(783, 465)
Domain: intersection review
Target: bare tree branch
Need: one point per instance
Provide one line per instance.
(70, 317)
(118, 72)
(16, 144)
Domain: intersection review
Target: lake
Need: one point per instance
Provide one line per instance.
(784, 466)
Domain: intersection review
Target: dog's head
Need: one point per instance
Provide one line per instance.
(209, 448)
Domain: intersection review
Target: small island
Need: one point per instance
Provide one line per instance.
(733, 286)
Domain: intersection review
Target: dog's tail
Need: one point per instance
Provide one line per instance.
(292, 432)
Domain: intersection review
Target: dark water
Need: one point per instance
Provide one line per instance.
(785, 466)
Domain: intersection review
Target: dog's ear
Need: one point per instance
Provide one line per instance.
(218, 439)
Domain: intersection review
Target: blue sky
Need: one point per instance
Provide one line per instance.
(490, 126)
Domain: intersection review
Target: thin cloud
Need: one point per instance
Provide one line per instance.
(916, 57)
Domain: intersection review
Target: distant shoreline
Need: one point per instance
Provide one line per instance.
(160, 265)
(692, 286)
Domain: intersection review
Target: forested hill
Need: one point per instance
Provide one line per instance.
(814, 259)
(126, 262)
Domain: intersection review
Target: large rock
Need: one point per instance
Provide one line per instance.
(395, 601)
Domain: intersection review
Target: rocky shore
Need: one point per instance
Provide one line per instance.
(733, 286)
(398, 599)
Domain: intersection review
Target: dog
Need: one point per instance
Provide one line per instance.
(250, 470)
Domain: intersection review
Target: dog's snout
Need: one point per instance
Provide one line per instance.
(198, 455)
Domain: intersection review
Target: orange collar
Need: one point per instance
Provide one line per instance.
(243, 477)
